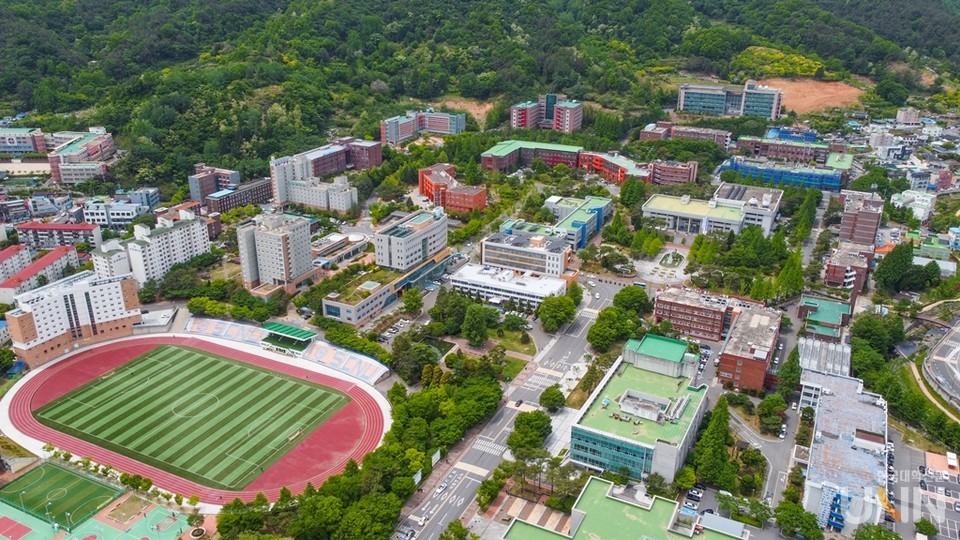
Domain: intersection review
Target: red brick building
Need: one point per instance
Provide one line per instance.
(672, 173)
(861, 216)
(848, 267)
(751, 347)
(693, 313)
(612, 166)
(438, 183)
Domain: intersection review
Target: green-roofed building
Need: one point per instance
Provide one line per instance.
(644, 414)
(604, 511)
(508, 155)
(286, 338)
(823, 318)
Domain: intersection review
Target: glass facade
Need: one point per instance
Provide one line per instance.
(704, 102)
(608, 453)
(759, 104)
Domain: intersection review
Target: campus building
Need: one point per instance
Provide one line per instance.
(439, 184)
(823, 318)
(922, 203)
(411, 241)
(668, 130)
(750, 348)
(75, 311)
(79, 156)
(206, 180)
(408, 126)
(672, 173)
(732, 208)
(255, 192)
(787, 150)
(752, 99)
(275, 253)
(151, 253)
(847, 267)
(846, 468)
(547, 255)
(14, 259)
(112, 214)
(525, 115)
(935, 246)
(568, 116)
(824, 356)
(579, 219)
(508, 155)
(334, 158)
(772, 172)
(498, 285)
(695, 313)
(336, 248)
(46, 269)
(145, 196)
(861, 216)
(22, 141)
(613, 167)
(550, 111)
(644, 415)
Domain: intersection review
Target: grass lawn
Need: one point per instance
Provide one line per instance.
(513, 368)
(577, 398)
(201, 416)
(443, 347)
(51, 492)
(511, 342)
(6, 386)
(915, 439)
(912, 383)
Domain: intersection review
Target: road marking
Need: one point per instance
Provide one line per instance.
(472, 469)
(550, 372)
(489, 447)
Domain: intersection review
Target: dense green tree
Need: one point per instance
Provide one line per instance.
(556, 311)
(475, 323)
(613, 324)
(456, 531)
(530, 430)
(711, 456)
(575, 293)
(790, 279)
(552, 398)
(869, 531)
(926, 527)
(793, 520)
(893, 267)
(633, 299)
(412, 300)
(892, 91)
(788, 378)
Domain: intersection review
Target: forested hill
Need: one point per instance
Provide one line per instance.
(233, 82)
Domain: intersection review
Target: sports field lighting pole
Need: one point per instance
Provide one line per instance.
(46, 509)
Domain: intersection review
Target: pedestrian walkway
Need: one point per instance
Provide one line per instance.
(933, 400)
(466, 348)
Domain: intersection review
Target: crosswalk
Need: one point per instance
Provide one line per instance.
(538, 381)
(489, 447)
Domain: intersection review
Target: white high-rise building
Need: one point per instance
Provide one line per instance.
(275, 251)
(151, 253)
(295, 180)
(78, 310)
(411, 241)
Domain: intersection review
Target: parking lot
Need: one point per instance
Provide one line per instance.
(940, 500)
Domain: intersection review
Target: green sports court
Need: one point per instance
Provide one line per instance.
(58, 495)
(203, 417)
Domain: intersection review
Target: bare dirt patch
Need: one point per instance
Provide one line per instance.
(477, 109)
(806, 95)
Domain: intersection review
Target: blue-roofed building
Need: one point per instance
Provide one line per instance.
(4, 332)
(792, 134)
(770, 172)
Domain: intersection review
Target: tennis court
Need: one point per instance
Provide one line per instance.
(57, 495)
(204, 417)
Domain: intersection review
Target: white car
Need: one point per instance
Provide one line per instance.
(793, 406)
(423, 519)
(441, 487)
(597, 296)
(592, 284)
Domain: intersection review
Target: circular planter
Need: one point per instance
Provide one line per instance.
(198, 532)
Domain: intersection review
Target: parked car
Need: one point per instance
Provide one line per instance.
(696, 492)
(441, 487)
(793, 406)
(923, 485)
(691, 505)
(922, 469)
(597, 296)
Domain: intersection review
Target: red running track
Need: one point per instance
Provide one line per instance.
(351, 433)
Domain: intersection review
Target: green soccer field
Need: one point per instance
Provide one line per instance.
(206, 418)
(58, 495)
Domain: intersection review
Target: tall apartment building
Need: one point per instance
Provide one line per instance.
(113, 214)
(296, 178)
(14, 259)
(751, 99)
(568, 116)
(508, 155)
(145, 196)
(79, 156)
(255, 192)
(46, 269)
(672, 173)
(861, 216)
(847, 267)
(800, 152)
(408, 126)
(275, 252)
(21, 140)
(206, 180)
(78, 310)
(438, 184)
(412, 240)
(732, 208)
(151, 253)
(771, 172)
(548, 255)
(751, 347)
(548, 108)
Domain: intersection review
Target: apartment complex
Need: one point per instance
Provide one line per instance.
(672, 173)
(547, 255)
(525, 115)
(112, 214)
(846, 469)
(145, 196)
(752, 99)
(80, 156)
(206, 180)
(668, 130)
(847, 267)
(79, 310)
(411, 241)
(150, 254)
(751, 347)
(861, 216)
(44, 270)
(408, 126)
(497, 285)
(612, 166)
(22, 141)
(275, 253)
(550, 111)
(732, 208)
(772, 172)
(642, 416)
(439, 184)
(296, 179)
(255, 192)
(14, 259)
(508, 155)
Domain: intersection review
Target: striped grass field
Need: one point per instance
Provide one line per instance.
(51, 492)
(203, 417)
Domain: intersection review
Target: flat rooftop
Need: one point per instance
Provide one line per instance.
(861, 200)
(784, 142)
(698, 298)
(648, 432)
(671, 350)
(699, 208)
(843, 411)
(556, 243)
(848, 255)
(753, 333)
(18, 131)
(824, 356)
(508, 280)
(754, 196)
(74, 145)
(827, 312)
(506, 148)
(363, 285)
(583, 212)
(840, 161)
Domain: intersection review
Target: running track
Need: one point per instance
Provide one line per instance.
(350, 434)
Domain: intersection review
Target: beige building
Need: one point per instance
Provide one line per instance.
(275, 253)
